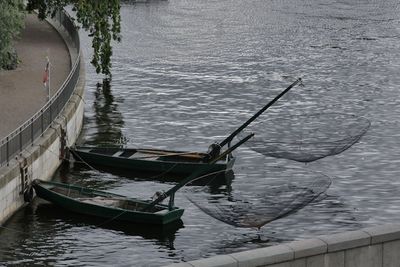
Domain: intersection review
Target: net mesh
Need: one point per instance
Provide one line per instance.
(306, 138)
(255, 203)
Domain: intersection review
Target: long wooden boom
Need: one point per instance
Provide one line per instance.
(255, 116)
(195, 174)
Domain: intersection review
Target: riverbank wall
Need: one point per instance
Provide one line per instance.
(369, 247)
(36, 149)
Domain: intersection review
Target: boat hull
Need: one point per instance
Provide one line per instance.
(159, 164)
(46, 191)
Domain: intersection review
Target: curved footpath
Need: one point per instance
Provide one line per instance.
(21, 90)
(23, 95)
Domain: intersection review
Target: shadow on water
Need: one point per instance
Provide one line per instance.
(108, 118)
(252, 240)
(26, 244)
(47, 212)
(213, 180)
(85, 177)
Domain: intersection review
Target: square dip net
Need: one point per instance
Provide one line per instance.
(306, 137)
(254, 203)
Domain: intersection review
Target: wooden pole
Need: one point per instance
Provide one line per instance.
(255, 116)
(194, 175)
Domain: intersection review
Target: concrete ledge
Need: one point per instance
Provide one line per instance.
(367, 256)
(346, 240)
(308, 247)
(389, 258)
(264, 256)
(335, 259)
(217, 261)
(383, 233)
(370, 247)
(182, 264)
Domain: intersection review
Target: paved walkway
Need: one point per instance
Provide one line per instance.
(21, 91)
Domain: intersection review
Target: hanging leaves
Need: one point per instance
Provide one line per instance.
(11, 22)
(100, 18)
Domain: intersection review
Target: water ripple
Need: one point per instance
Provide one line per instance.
(186, 74)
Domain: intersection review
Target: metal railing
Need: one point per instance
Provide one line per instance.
(28, 132)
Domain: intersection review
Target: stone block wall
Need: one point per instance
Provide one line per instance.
(43, 157)
(369, 247)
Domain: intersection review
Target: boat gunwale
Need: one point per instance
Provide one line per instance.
(87, 151)
(142, 149)
(66, 186)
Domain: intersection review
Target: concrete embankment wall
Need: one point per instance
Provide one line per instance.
(368, 247)
(41, 159)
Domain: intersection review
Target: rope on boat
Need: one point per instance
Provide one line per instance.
(189, 155)
(111, 219)
(81, 161)
(84, 162)
(164, 173)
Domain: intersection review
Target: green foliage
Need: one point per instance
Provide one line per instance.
(11, 23)
(101, 18)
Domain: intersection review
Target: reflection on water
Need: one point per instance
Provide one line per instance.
(108, 119)
(213, 180)
(163, 234)
(52, 231)
(186, 74)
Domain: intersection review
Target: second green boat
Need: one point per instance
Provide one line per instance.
(104, 204)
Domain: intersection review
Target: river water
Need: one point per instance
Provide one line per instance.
(185, 75)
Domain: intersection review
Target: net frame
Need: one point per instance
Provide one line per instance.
(246, 209)
(306, 143)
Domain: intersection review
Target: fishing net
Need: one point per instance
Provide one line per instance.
(253, 204)
(306, 138)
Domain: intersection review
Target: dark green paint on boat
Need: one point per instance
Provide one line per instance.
(104, 204)
(155, 161)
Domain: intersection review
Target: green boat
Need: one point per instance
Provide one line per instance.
(116, 207)
(120, 208)
(104, 204)
(167, 162)
(150, 161)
